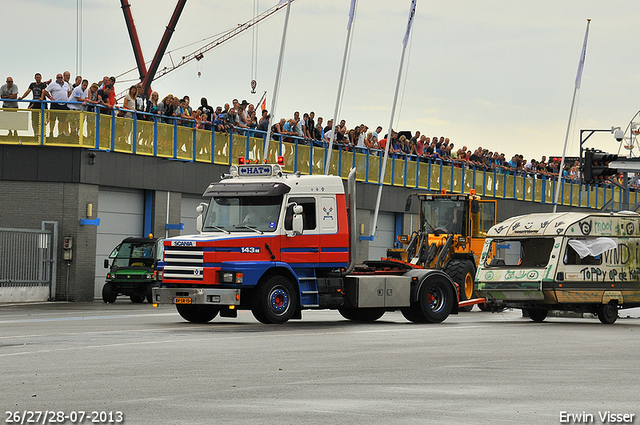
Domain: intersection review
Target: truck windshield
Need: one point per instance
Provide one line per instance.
(244, 213)
(443, 215)
(519, 253)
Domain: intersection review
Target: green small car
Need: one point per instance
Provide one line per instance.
(132, 269)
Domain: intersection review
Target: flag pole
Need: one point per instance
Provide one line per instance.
(352, 11)
(566, 137)
(265, 145)
(412, 12)
(261, 99)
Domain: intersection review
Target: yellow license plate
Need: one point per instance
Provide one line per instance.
(182, 300)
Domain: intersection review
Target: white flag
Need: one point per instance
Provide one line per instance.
(352, 12)
(582, 56)
(412, 12)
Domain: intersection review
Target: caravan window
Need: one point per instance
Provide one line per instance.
(587, 251)
(516, 253)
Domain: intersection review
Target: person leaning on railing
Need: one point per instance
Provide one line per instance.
(104, 100)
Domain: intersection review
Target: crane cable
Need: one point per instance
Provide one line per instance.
(254, 49)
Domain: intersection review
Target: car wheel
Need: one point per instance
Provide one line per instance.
(109, 292)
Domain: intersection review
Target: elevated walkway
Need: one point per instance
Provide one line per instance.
(183, 143)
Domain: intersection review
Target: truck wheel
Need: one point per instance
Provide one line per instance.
(361, 314)
(148, 293)
(137, 298)
(537, 314)
(414, 314)
(197, 313)
(462, 272)
(275, 302)
(109, 292)
(608, 313)
(436, 299)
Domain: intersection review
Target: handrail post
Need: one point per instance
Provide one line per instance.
(113, 130)
(42, 122)
(134, 134)
(175, 139)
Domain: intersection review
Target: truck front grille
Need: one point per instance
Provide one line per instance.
(184, 263)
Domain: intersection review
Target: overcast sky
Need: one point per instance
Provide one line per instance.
(499, 74)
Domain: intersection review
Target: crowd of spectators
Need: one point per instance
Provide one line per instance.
(242, 117)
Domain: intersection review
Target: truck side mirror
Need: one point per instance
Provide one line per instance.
(297, 223)
(106, 263)
(201, 210)
(475, 206)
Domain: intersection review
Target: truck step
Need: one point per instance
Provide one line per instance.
(307, 278)
(309, 292)
(310, 305)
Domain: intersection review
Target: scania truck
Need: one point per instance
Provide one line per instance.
(278, 243)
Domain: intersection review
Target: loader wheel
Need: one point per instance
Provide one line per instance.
(275, 302)
(109, 292)
(608, 313)
(436, 299)
(537, 314)
(364, 315)
(462, 272)
(197, 313)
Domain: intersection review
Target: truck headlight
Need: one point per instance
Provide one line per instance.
(231, 277)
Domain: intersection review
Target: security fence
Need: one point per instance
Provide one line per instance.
(27, 264)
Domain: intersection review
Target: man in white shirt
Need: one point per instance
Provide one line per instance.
(58, 91)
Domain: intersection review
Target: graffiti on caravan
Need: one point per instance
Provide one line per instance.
(619, 255)
(596, 274)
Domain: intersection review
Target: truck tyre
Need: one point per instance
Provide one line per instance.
(137, 298)
(275, 302)
(361, 314)
(197, 313)
(109, 292)
(608, 313)
(537, 314)
(414, 314)
(148, 293)
(436, 299)
(462, 272)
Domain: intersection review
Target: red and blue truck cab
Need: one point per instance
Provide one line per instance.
(276, 244)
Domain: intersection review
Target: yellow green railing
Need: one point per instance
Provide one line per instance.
(155, 138)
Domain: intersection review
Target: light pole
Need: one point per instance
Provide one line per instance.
(613, 130)
(618, 134)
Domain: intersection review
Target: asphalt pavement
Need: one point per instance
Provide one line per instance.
(131, 363)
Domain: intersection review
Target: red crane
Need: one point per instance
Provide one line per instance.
(147, 76)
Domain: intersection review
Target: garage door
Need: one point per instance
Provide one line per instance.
(188, 214)
(121, 215)
(385, 235)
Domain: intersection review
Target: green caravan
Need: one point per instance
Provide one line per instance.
(562, 261)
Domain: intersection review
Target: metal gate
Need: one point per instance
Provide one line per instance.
(27, 263)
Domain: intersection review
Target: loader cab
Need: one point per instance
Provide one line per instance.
(444, 215)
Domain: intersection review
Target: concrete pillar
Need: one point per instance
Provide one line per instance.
(159, 213)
